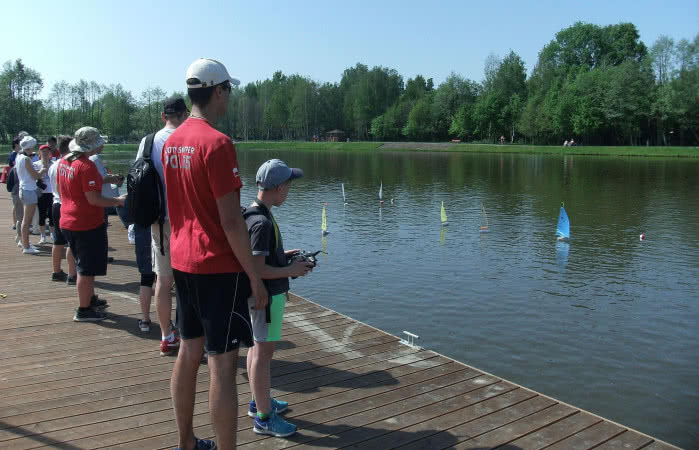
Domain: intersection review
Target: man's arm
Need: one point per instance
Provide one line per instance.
(237, 235)
(95, 199)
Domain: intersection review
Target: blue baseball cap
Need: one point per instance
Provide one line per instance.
(275, 172)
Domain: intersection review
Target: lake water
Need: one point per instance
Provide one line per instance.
(608, 323)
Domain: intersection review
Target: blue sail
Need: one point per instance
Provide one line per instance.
(563, 230)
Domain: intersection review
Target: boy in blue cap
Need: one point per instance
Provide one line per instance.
(271, 260)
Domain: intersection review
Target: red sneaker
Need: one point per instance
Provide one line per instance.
(168, 348)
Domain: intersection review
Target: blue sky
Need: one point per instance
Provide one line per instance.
(147, 43)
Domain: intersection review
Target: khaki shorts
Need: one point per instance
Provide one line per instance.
(161, 263)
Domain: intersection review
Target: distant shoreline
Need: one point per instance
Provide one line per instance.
(681, 152)
(672, 152)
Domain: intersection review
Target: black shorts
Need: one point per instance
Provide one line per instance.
(214, 306)
(58, 238)
(89, 249)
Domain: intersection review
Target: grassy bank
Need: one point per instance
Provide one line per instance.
(691, 152)
(685, 152)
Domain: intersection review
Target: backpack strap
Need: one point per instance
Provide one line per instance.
(148, 146)
(148, 154)
(254, 210)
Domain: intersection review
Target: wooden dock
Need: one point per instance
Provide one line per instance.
(102, 385)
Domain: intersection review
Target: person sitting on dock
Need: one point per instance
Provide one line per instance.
(82, 218)
(273, 182)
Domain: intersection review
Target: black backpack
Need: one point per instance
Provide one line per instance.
(146, 194)
(11, 179)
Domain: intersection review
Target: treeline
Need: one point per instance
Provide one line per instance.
(597, 84)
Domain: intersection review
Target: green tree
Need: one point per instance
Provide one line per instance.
(19, 105)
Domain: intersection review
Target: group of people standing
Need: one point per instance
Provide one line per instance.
(228, 263)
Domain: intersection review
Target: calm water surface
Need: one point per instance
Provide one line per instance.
(607, 323)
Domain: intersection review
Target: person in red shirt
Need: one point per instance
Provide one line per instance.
(210, 256)
(82, 218)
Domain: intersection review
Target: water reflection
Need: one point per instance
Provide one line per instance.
(562, 249)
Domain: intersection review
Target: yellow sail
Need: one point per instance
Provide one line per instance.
(324, 224)
(444, 215)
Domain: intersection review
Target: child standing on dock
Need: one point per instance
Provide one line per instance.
(273, 182)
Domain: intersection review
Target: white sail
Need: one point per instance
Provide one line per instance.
(381, 191)
(344, 199)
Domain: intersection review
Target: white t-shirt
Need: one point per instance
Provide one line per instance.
(158, 143)
(108, 190)
(53, 172)
(26, 181)
(37, 166)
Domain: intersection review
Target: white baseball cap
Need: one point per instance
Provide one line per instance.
(205, 72)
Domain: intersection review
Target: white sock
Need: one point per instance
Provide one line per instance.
(170, 337)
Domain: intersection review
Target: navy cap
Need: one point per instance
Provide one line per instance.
(174, 105)
(275, 172)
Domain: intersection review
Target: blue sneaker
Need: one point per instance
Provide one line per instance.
(274, 426)
(202, 444)
(278, 407)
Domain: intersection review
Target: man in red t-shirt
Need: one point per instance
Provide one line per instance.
(82, 218)
(210, 255)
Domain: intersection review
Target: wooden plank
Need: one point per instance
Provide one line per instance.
(490, 416)
(626, 440)
(557, 431)
(444, 415)
(589, 437)
(519, 428)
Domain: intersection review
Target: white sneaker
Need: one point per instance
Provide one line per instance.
(42, 241)
(132, 235)
(31, 251)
